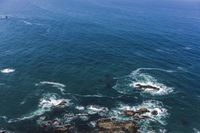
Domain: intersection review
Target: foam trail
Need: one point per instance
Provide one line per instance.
(53, 83)
(57, 85)
(156, 69)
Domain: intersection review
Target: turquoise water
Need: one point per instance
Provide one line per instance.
(91, 53)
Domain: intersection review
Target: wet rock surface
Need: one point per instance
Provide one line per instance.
(137, 112)
(57, 126)
(105, 125)
(64, 129)
(62, 104)
(143, 87)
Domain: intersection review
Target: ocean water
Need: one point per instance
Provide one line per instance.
(91, 53)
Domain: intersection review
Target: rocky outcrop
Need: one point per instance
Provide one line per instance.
(113, 126)
(143, 87)
(57, 126)
(142, 111)
(62, 104)
(129, 112)
(64, 129)
(138, 112)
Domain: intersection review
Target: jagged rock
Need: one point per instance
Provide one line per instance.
(140, 117)
(112, 126)
(142, 111)
(154, 112)
(129, 112)
(140, 86)
(62, 104)
(105, 123)
(64, 129)
(137, 112)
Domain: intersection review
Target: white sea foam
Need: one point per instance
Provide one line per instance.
(80, 107)
(7, 70)
(23, 102)
(46, 104)
(5, 118)
(196, 130)
(70, 117)
(139, 77)
(92, 124)
(151, 105)
(57, 85)
(95, 109)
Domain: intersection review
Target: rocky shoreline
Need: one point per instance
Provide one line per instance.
(103, 125)
(95, 118)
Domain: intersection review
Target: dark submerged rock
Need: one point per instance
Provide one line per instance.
(109, 81)
(154, 112)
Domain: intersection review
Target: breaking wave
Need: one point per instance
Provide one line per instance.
(46, 104)
(128, 83)
(95, 109)
(151, 105)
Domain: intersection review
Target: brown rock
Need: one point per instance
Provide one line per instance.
(112, 126)
(105, 124)
(64, 129)
(131, 127)
(129, 112)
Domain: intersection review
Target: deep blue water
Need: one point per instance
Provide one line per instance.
(92, 52)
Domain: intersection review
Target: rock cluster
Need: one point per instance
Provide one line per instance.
(57, 126)
(105, 125)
